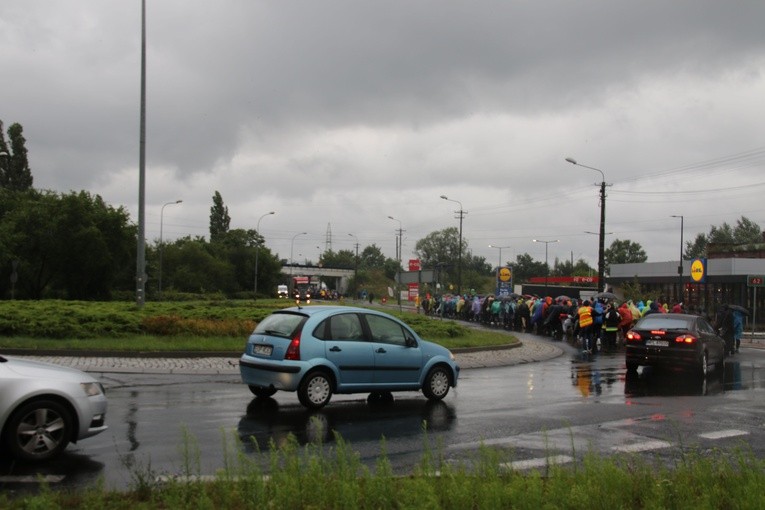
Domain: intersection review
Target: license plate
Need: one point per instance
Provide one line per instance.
(657, 343)
(263, 350)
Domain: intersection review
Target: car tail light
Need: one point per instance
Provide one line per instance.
(686, 339)
(633, 336)
(660, 332)
(293, 351)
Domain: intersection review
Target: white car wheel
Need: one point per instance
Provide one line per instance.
(437, 383)
(315, 390)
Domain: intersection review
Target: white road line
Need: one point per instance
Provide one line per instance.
(722, 434)
(32, 479)
(538, 463)
(642, 447)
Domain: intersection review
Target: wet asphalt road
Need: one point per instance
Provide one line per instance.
(557, 409)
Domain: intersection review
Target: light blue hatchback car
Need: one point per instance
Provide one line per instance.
(321, 350)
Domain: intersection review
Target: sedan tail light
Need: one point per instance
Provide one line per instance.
(293, 351)
(633, 336)
(686, 339)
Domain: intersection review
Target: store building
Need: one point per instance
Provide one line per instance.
(704, 285)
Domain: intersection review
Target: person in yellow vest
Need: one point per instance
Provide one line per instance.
(585, 326)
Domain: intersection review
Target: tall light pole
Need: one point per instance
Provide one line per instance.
(399, 249)
(500, 253)
(292, 246)
(680, 294)
(499, 264)
(547, 268)
(140, 259)
(161, 243)
(257, 251)
(356, 268)
(602, 234)
(460, 214)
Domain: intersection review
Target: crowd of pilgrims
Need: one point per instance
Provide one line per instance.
(595, 324)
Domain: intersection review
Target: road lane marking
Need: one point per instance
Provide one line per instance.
(642, 447)
(520, 465)
(722, 434)
(32, 479)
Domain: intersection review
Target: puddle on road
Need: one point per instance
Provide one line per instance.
(590, 379)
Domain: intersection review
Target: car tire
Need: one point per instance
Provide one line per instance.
(315, 389)
(437, 383)
(39, 430)
(262, 392)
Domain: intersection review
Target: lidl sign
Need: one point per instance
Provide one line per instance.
(699, 270)
(504, 281)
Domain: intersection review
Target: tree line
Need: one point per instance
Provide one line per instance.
(75, 246)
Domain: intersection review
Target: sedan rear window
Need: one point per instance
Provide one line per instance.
(280, 324)
(656, 321)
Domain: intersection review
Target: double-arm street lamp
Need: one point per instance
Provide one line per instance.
(460, 214)
(257, 251)
(680, 293)
(602, 233)
(161, 243)
(399, 249)
(292, 247)
(547, 268)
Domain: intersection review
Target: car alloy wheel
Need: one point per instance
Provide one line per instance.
(39, 430)
(315, 390)
(436, 383)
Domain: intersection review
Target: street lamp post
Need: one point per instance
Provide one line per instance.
(461, 214)
(257, 252)
(399, 249)
(680, 266)
(292, 246)
(547, 268)
(602, 234)
(500, 253)
(499, 264)
(356, 268)
(140, 277)
(161, 243)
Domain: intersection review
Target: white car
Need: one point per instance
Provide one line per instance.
(44, 407)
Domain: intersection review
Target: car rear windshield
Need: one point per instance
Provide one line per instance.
(280, 324)
(656, 321)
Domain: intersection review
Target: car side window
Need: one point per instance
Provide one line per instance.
(386, 330)
(705, 326)
(346, 326)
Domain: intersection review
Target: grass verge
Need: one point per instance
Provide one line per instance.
(221, 326)
(317, 476)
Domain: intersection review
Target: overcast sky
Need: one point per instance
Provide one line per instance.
(339, 114)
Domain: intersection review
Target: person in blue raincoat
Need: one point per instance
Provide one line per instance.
(738, 327)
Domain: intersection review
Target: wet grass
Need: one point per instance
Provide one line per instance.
(333, 476)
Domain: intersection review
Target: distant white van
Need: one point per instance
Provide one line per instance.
(282, 291)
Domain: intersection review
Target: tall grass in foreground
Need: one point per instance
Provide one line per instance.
(322, 477)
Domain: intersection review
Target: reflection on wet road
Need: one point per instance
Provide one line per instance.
(265, 421)
(529, 410)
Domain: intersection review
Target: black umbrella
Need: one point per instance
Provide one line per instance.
(739, 309)
(605, 295)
